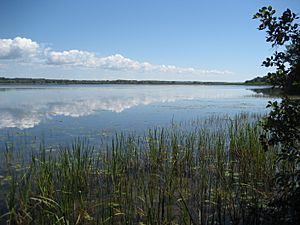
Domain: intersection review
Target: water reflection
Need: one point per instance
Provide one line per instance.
(26, 107)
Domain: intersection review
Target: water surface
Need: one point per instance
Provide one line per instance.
(59, 114)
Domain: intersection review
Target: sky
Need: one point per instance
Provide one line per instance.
(212, 40)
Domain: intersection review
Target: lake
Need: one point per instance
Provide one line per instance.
(60, 114)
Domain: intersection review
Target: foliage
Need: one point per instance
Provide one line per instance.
(282, 31)
(283, 129)
(282, 125)
(258, 81)
(43, 81)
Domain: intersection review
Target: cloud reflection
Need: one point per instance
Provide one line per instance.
(26, 108)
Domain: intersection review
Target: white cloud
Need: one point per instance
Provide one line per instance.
(119, 62)
(72, 57)
(27, 49)
(18, 48)
(189, 70)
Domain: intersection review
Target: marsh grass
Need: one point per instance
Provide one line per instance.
(167, 176)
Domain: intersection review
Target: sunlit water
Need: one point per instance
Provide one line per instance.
(59, 114)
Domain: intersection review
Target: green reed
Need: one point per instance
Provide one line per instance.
(200, 175)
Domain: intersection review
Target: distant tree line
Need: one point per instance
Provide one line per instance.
(43, 81)
(258, 81)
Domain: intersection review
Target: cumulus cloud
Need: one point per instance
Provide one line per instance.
(72, 57)
(118, 62)
(18, 48)
(27, 49)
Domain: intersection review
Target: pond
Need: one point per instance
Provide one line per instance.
(59, 114)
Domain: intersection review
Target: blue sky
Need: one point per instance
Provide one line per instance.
(213, 40)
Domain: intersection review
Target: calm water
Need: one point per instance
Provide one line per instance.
(58, 114)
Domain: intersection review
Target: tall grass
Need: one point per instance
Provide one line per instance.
(168, 176)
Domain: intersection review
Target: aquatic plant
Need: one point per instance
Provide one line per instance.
(168, 176)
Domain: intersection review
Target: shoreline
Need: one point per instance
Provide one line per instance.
(43, 81)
